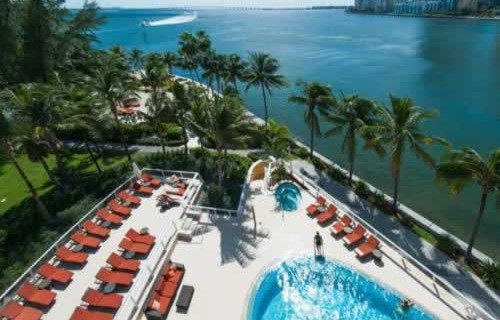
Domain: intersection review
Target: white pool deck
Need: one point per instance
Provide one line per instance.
(224, 260)
(147, 214)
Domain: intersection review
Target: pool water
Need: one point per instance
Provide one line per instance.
(287, 196)
(308, 288)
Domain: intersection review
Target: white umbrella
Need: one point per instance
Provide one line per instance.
(137, 171)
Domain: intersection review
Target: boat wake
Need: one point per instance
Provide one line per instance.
(173, 20)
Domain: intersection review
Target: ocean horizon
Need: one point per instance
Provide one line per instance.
(446, 64)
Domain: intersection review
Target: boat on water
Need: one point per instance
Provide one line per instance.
(145, 23)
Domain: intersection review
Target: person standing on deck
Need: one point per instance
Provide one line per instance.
(318, 245)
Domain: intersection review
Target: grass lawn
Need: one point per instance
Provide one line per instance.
(13, 190)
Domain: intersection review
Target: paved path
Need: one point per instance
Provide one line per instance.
(424, 252)
(136, 148)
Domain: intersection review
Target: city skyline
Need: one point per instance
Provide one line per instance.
(209, 3)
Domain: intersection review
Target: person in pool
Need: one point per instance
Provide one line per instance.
(318, 244)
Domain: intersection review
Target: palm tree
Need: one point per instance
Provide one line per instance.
(112, 86)
(8, 147)
(235, 69)
(223, 123)
(277, 139)
(350, 115)
(181, 106)
(459, 167)
(262, 72)
(170, 59)
(37, 151)
(35, 104)
(155, 75)
(315, 96)
(136, 59)
(158, 115)
(398, 128)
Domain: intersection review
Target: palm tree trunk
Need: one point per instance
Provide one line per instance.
(266, 112)
(396, 191)
(26, 180)
(49, 173)
(186, 140)
(163, 150)
(352, 155)
(219, 165)
(311, 144)
(468, 253)
(94, 159)
(235, 86)
(122, 136)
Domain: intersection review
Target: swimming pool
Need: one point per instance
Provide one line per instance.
(287, 195)
(307, 288)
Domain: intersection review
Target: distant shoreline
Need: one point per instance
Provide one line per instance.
(434, 16)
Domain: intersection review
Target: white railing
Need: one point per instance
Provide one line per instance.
(470, 304)
(48, 254)
(198, 210)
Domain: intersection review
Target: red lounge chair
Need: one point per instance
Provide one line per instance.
(124, 196)
(105, 215)
(313, 208)
(15, 311)
(50, 272)
(98, 299)
(108, 276)
(142, 189)
(173, 275)
(66, 255)
(129, 245)
(120, 263)
(167, 289)
(339, 226)
(368, 247)
(357, 234)
(178, 192)
(154, 182)
(327, 215)
(135, 236)
(35, 295)
(86, 241)
(118, 208)
(97, 230)
(160, 304)
(84, 314)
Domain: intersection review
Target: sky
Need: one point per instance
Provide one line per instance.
(196, 3)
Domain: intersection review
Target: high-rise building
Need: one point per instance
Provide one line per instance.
(470, 5)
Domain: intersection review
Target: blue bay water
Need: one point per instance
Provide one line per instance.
(450, 65)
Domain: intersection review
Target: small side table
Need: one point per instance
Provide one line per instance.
(377, 254)
(144, 230)
(77, 248)
(44, 284)
(109, 287)
(321, 209)
(348, 229)
(106, 224)
(128, 254)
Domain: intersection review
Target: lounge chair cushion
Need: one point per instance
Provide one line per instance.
(15, 311)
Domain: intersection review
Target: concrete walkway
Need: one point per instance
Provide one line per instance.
(469, 284)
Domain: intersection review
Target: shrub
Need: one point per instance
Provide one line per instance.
(447, 244)
(489, 272)
(217, 196)
(361, 189)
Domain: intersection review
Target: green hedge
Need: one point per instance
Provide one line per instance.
(132, 133)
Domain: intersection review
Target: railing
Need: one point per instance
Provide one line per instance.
(49, 253)
(198, 210)
(470, 305)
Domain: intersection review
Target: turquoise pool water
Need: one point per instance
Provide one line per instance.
(306, 288)
(287, 196)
